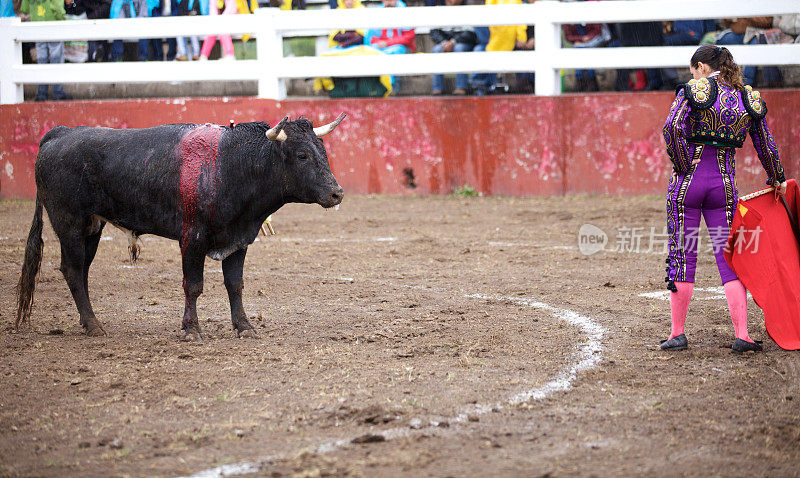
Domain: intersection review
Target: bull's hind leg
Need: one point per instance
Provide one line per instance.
(193, 261)
(74, 266)
(232, 268)
(90, 249)
(92, 325)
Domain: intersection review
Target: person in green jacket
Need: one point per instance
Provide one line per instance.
(49, 51)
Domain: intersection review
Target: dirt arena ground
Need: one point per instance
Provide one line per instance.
(399, 336)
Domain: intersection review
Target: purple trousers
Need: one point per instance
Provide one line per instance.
(707, 189)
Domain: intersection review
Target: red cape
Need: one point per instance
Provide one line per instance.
(764, 252)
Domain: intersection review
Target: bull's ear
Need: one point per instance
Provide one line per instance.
(277, 133)
(323, 130)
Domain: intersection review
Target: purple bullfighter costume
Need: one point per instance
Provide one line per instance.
(707, 121)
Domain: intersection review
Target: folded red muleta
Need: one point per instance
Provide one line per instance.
(764, 251)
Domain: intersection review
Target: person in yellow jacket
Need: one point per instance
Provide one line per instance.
(506, 37)
(347, 38)
(501, 38)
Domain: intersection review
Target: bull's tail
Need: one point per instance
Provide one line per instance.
(30, 268)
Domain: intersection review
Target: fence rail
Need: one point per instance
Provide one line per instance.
(270, 26)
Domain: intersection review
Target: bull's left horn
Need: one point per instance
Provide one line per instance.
(277, 133)
(323, 130)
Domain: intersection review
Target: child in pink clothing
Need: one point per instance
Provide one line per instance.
(229, 8)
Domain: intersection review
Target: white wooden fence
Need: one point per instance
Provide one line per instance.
(270, 26)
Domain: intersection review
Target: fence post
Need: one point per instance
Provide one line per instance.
(10, 56)
(269, 47)
(548, 42)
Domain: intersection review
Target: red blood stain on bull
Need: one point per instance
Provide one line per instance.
(199, 150)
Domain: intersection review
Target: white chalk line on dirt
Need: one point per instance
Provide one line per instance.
(719, 294)
(571, 248)
(586, 358)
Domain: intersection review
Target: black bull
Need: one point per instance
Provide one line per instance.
(208, 187)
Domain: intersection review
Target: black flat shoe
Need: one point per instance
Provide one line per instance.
(678, 342)
(740, 346)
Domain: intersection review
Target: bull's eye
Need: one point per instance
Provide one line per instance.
(302, 156)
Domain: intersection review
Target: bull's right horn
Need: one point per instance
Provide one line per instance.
(277, 133)
(323, 130)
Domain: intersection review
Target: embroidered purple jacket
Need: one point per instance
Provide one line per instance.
(710, 112)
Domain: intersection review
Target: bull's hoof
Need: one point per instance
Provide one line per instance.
(96, 332)
(93, 328)
(247, 333)
(192, 335)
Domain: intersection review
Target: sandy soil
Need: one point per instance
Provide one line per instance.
(400, 318)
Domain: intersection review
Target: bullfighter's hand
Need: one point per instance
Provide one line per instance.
(782, 188)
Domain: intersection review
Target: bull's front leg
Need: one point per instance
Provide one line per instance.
(193, 262)
(232, 270)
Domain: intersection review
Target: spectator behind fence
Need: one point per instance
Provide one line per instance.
(47, 51)
(183, 44)
(526, 82)
(351, 43)
(226, 7)
(98, 50)
(750, 31)
(392, 41)
(788, 25)
(501, 38)
(453, 39)
(166, 8)
(591, 35)
(7, 8)
(342, 39)
(289, 4)
(130, 9)
(143, 9)
(639, 34)
(10, 8)
(683, 33)
(220, 7)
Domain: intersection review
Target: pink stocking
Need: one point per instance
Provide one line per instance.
(227, 45)
(737, 303)
(208, 45)
(679, 304)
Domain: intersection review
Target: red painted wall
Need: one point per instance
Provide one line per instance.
(509, 145)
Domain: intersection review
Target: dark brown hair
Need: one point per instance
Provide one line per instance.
(719, 58)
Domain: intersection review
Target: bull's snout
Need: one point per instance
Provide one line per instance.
(334, 197)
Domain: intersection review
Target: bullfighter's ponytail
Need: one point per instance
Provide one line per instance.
(719, 58)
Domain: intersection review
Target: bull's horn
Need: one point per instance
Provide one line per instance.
(323, 130)
(277, 133)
